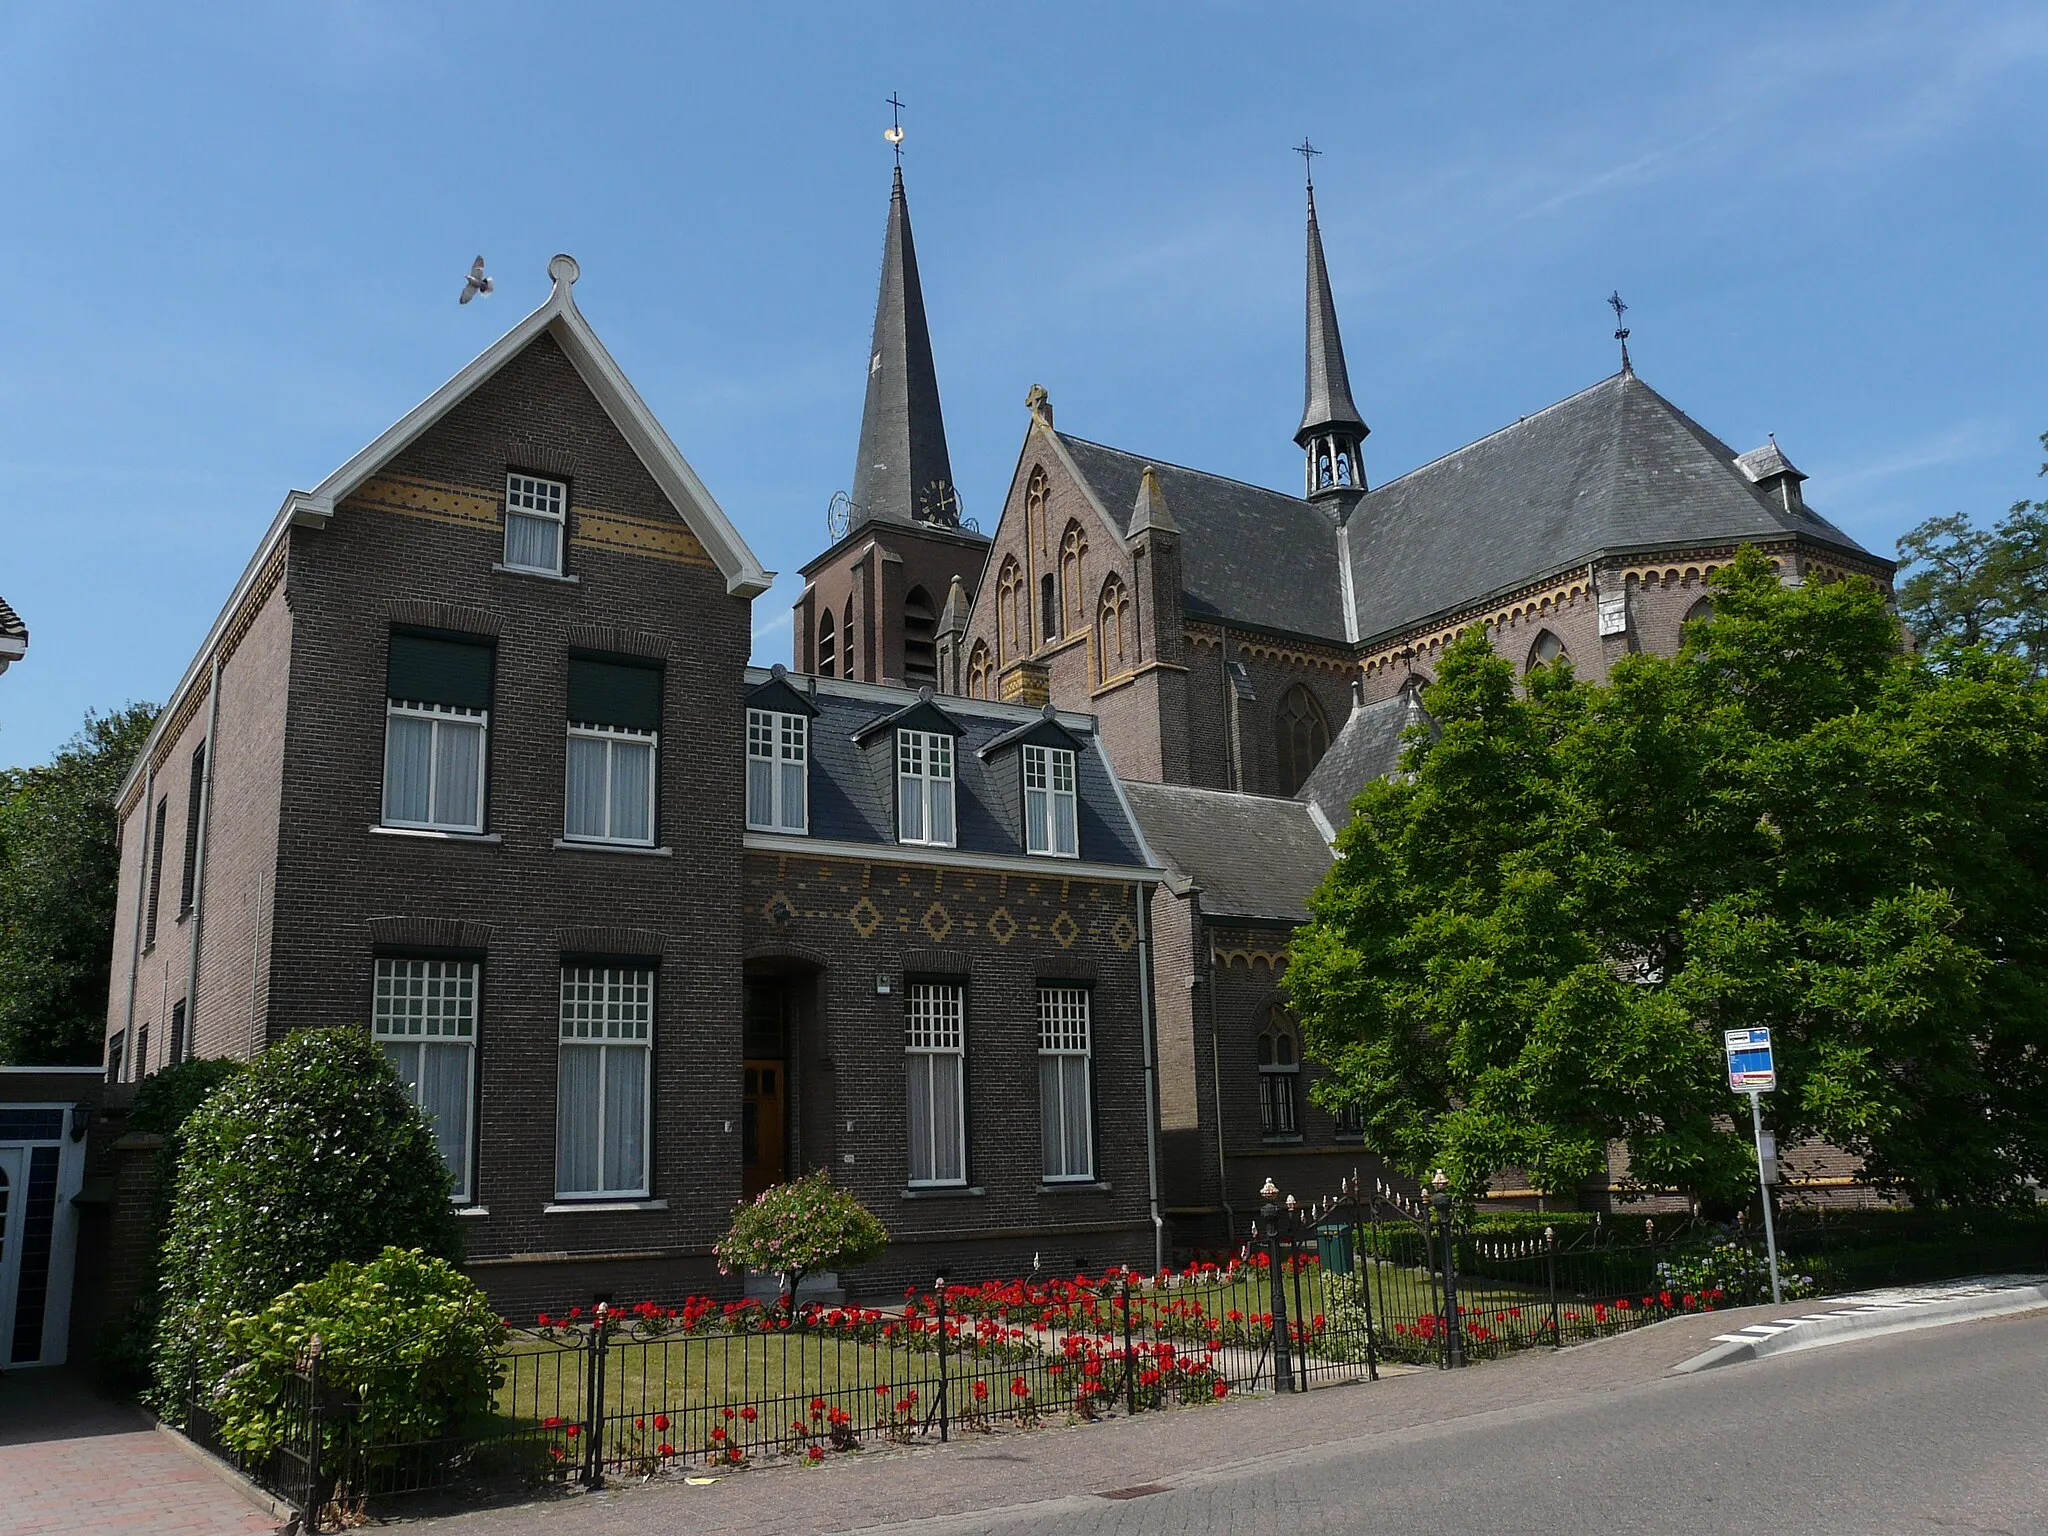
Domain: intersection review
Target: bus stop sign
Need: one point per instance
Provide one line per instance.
(1750, 1067)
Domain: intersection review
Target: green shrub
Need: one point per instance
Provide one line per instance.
(798, 1228)
(407, 1340)
(312, 1156)
(1732, 1274)
(162, 1105)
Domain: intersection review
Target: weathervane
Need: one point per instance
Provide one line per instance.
(1620, 330)
(894, 132)
(1308, 152)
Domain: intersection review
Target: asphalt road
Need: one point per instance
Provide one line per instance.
(1940, 1431)
(1944, 1430)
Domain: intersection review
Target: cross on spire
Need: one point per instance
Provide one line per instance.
(894, 132)
(1308, 152)
(1614, 301)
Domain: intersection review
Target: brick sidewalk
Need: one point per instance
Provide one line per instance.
(72, 1464)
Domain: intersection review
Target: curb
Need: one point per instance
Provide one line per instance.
(1860, 1317)
(267, 1503)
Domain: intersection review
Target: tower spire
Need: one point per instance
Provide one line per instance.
(1331, 429)
(903, 474)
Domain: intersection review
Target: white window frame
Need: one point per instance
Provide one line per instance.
(1051, 784)
(537, 500)
(926, 759)
(619, 1018)
(441, 1012)
(613, 736)
(935, 1042)
(440, 716)
(1065, 1036)
(780, 741)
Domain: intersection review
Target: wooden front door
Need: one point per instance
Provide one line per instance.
(764, 1089)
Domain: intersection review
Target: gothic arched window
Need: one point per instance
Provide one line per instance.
(1115, 645)
(1010, 610)
(920, 639)
(1048, 609)
(1073, 545)
(828, 643)
(1701, 612)
(1547, 649)
(846, 643)
(978, 671)
(1279, 1075)
(1303, 737)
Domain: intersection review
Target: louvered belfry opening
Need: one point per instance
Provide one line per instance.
(920, 639)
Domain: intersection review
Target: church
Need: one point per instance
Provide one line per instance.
(1254, 655)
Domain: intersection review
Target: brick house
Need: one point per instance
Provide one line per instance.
(466, 759)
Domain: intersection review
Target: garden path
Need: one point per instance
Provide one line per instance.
(73, 1464)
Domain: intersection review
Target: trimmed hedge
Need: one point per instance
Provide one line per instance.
(312, 1156)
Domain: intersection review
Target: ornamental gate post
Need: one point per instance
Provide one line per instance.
(310, 1501)
(1130, 1352)
(1283, 1364)
(944, 1427)
(594, 1374)
(1550, 1278)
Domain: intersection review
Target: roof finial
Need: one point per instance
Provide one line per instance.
(1308, 152)
(894, 132)
(1620, 330)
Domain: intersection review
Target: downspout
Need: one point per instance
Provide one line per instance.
(1148, 1025)
(1216, 1085)
(199, 863)
(141, 895)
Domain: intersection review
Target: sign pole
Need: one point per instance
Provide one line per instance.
(1756, 1120)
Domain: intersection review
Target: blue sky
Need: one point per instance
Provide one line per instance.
(233, 238)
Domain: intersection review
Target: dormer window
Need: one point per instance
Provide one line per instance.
(778, 755)
(1050, 818)
(924, 788)
(535, 514)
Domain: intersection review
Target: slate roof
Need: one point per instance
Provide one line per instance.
(1203, 837)
(853, 788)
(1369, 747)
(1614, 467)
(10, 623)
(1326, 384)
(1247, 553)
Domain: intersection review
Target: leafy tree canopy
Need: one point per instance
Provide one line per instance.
(1531, 943)
(1968, 586)
(60, 869)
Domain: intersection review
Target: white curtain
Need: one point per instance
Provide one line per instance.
(1035, 832)
(632, 778)
(625, 1131)
(942, 811)
(533, 542)
(444, 1100)
(586, 789)
(761, 793)
(1063, 1116)
(458, 760)
(910, 808)
(793, 808)
(921, 1119)
(577, 1169)
(1064, 838)
(408, 760)
(938, 1153)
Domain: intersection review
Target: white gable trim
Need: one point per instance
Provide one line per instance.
(744, 575)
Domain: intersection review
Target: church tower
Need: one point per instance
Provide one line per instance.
(872, 602)
(1332, 432)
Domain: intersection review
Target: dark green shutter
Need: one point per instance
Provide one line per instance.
(433, 671)
(608, 693)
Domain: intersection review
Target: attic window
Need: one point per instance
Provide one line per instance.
(535, 513)
(1050, 802)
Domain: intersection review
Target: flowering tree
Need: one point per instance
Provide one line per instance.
(798, 1228)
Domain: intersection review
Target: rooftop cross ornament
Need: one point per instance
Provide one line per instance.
(894, 132)
(1308, 152)
(1620, 330)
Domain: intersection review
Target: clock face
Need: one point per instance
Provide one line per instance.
(937, 502)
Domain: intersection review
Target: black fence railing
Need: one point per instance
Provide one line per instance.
(1338, 1291)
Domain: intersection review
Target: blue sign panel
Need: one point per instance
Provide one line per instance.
(1751, 1068)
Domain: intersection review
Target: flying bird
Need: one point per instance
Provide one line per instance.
(477, 283)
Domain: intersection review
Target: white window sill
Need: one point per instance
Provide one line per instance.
(918, 842)
(434, 834)
(472, 1210)
(575, 1207)
(521, 570)
(804, 831)
(1073, 1187)
(943, 1191)
(579, 845)
(1281, 1138)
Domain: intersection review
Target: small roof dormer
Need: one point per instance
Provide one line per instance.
(1773, 474)
(919, 715)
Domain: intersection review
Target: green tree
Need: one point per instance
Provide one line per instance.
(1530, 945)
(313, 1155)
(60, 871)
(1969, 586)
